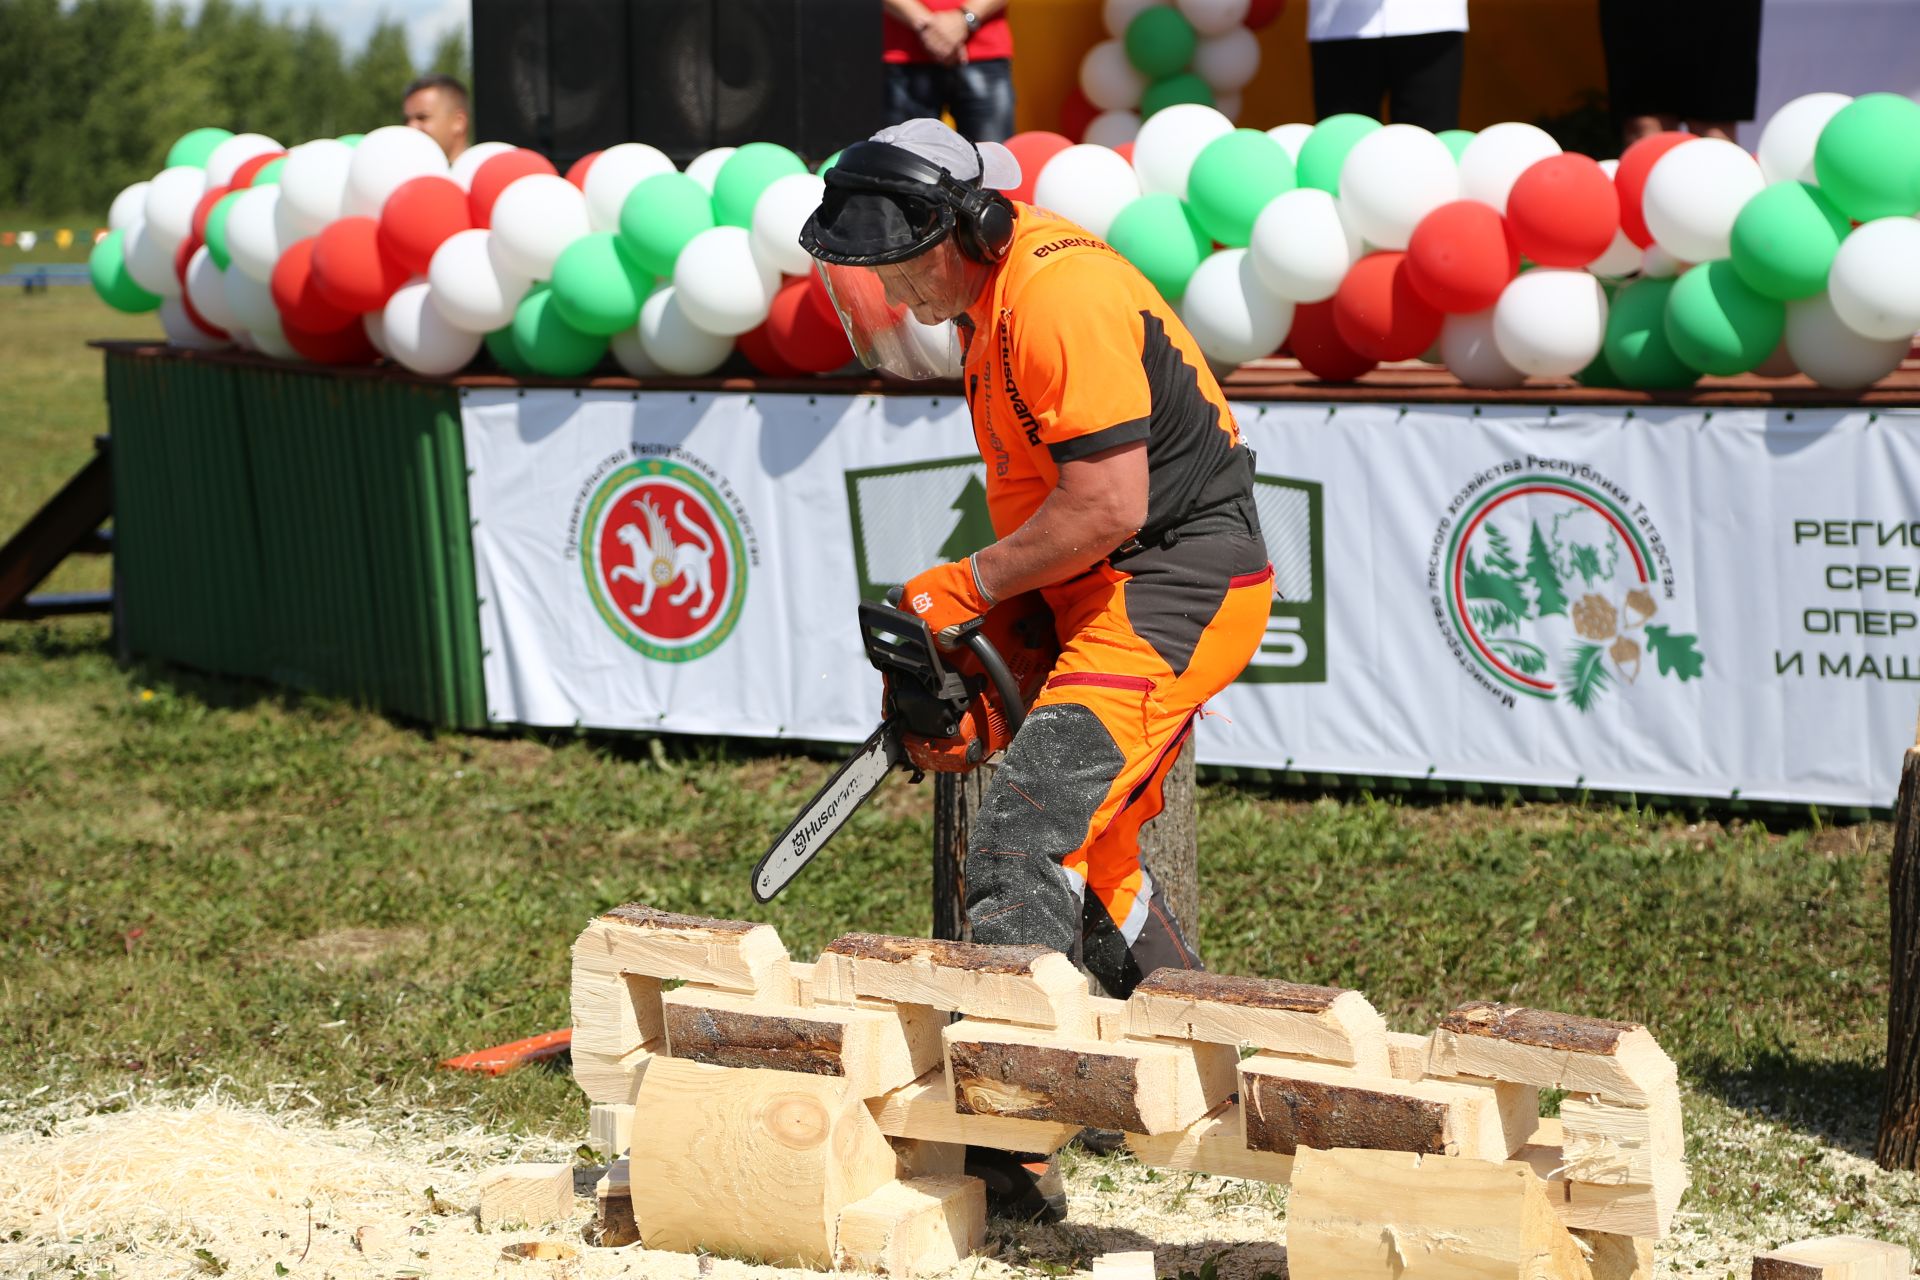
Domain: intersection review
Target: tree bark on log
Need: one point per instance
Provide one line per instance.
(1898, 1147)
(1169, 845)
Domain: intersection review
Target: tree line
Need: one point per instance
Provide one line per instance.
(93, 92)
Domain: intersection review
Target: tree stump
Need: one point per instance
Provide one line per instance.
(1898, 1147)
(1169, 845)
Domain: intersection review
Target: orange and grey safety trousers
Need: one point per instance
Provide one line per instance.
(1145, 639)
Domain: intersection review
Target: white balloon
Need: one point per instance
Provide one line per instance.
(1088, 184)
(674, 342)
(1291, 136)
(1875, 279)
(1622, 257)
(386, 158)
(705, 167)
(468, 162)
(207, 290)
(1496, 158)
(1119, 14)
(1214, 17)
(720, 284)
(536, 218)
(473, 289)
(630, 353)
(129, 207)
(171, 198)
(1657, 264)
(1394, 177)
(29, 238)
(374, 325)
(149, 260)
(271, 340)
(251, 302)
(1786, 144)
(615, 172)
(419, 336)
(1468, 349)
(183, 332)
(1301, 246)
(313, 184)
(254, 233)
(1110, 81)
(1832, 354)
(778, 215)
(226, 159)
(1693, 194)
(1169, 143)
(1228, 62)
(1228, 105)
(1550, 323)
(1113, 128)
(1231, 312)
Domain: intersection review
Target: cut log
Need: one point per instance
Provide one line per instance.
(873, 1049)
(1638, 1209)
(1136, 1264)
(1328, 1023)
(1897, 1143)
(616, 1015)
(1617, 1257)
(1357, 1215)
(1139, 1086)
(1611, 1144)
(1214, 1144)
(924, 1110)
(731, 954)
(913, 1227)
(528, 1195)
(917, 1158)
(1287, 1104)
(1835, 1258)
(751, 1162)
(613, 1222)
(610, 1128)
(1029, 985)
(1618, 1061)
(1407, 1055)
(610, 1079)
(1111, 1018)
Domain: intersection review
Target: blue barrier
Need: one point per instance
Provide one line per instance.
(41, 275)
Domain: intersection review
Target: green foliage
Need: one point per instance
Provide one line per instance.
(1677, 654)
(1549, 597)
(1495, 581)
(974, 529)
(1586, 675)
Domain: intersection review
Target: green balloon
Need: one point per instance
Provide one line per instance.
(1718, 324)
(1160, 42)
(1785, 238)
(547, 342)
(505, 354)
(597, 285)
(195, 146)
(217, 229)
(661, 214)
(1158, 234)
(1232, 180)
(1174, 90)
(351, 139)
(1325, 150)
(1457, 140)
(828, 163)
(1868, 157)
(107, 264)
(1599, 373)
(1636, 350)
(269, 175)
(744, 175)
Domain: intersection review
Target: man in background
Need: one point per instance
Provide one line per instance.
(1410, 52)
(954, 56)
(436, 105)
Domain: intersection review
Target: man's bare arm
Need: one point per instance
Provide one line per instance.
(1100, 502)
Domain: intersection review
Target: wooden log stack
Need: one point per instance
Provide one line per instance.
(817, 1114)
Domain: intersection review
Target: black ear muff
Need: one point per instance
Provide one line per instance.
(987, 217)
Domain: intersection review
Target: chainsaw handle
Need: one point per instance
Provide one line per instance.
(1004, 684)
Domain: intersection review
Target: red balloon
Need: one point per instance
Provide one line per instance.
(577, 171)
(297, 296)
(182, 255)
(349, 269)
(1125, 151)
(1630, 181)
(1262, 12)
(1316, 343)
(419, 217)
(1461, 256)
(804, 328)
(205, 207)
(343, 346)
(1033, 150)
(493, 176)
(1378, 313)
(758, 347)
(1076, 113)
(1563, 211)
(250, 168)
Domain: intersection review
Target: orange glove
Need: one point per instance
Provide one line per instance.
(946, 597)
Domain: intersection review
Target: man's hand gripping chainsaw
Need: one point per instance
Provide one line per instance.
(944, 712)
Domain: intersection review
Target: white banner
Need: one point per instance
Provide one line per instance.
(1668, 601)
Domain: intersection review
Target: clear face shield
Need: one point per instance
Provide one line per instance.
(899, 316)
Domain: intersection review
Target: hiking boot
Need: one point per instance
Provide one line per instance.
(1020, 1186)
(1101, 1142)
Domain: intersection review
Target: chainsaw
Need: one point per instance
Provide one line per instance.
(943, 712)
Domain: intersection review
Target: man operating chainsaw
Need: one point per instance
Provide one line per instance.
(1118, 489)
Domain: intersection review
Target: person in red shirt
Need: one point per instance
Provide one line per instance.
(954, 56)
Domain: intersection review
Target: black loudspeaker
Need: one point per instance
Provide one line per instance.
(566, 77)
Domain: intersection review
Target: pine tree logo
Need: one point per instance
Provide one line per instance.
(1550, 589)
